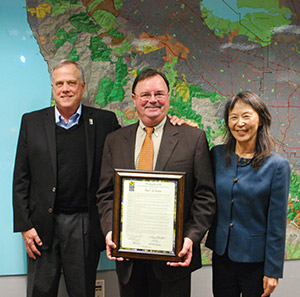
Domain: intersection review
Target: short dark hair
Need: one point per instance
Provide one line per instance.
(146, 74)
(265, 142)
(67, 62)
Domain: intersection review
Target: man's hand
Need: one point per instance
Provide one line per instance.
(31, 238)
(109, 246)
(176, 121)
(269, 284)
(186, 252)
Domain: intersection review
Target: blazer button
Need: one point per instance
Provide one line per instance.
(231, 202)
(54, 189)
(50, 210)
(235, 179)
(231, 225)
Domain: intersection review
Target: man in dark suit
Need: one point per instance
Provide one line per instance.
(176, 148)
(56, 176)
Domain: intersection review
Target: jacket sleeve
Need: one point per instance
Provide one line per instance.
(105, 191)
(21, 183)
(203, 205)
(276, 223)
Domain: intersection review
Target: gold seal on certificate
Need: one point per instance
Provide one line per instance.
(148, 214)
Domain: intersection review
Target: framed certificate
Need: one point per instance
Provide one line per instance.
(148, 214)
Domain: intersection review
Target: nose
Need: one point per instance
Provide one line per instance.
(65, 87)
(240, 121)
(152, 98)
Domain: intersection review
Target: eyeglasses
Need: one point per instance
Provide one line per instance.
(147, 96)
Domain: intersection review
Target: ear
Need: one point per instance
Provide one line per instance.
(133, 98)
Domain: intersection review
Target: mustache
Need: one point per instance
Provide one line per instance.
(156, 104)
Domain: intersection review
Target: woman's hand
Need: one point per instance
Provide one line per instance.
(269, 284)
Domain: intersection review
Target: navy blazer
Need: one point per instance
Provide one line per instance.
(252, 208)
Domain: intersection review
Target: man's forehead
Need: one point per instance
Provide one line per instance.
(66, 68)
(152, 81)
(61, 73)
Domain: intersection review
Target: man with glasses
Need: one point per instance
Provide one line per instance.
(169, 148)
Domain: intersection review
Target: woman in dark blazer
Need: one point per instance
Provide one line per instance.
(252, 183)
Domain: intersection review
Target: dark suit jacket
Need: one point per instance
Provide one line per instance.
(35, 172)
(182, 149)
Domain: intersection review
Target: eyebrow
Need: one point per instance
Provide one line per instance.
(68, 81)
(158, 91)
(234, 113)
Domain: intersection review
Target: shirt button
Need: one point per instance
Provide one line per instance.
(50, 210)
(231, 225)
(235, 179)
(54, 189)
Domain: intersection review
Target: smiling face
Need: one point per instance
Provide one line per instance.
(243, 122)
(151, 100)
(67, 89)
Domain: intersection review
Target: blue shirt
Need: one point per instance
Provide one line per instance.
(73, 120)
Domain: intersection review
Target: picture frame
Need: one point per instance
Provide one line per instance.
(148, 214)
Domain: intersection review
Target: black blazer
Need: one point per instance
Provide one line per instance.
(182, 149)
(35, 172)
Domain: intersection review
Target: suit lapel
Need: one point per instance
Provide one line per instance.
(168, 143)
(49, 121)
(128, 148)
(89, 124)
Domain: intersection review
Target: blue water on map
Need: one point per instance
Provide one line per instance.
(230, 10)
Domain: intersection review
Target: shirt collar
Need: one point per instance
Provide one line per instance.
(156, 128)
(73, 120)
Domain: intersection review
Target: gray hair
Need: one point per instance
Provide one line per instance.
(68, 62)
